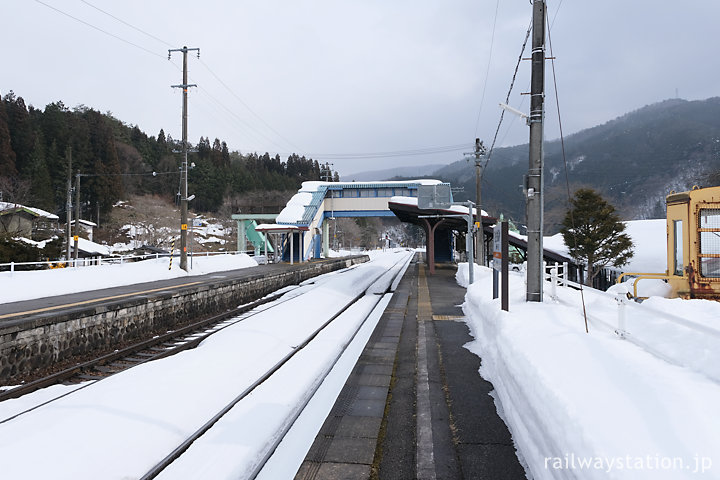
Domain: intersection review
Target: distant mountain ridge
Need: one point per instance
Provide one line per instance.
(634, 160)
(387, 174)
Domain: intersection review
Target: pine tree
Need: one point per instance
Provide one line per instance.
(593, 232)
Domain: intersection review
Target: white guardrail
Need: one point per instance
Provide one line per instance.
(95, 261)
(556, 274)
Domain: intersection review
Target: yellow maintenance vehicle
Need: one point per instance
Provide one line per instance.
(693, 245)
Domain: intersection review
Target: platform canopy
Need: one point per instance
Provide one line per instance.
(289, 230)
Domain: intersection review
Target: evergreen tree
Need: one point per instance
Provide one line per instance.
(41, 191)
(593, 232)
(7, 155)
(21, 131)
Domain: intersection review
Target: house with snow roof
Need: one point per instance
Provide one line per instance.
(29, 222)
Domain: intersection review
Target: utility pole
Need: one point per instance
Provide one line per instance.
(184, 169)
(328, 171)
(534, 192)
(479, 153)
(68, 206)
(76, 237)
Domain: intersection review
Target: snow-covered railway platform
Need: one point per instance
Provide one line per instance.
(414, 405)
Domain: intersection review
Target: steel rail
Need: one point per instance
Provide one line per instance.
(183, 447)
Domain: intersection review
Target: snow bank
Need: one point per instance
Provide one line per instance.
(19, 286)
(594, 406)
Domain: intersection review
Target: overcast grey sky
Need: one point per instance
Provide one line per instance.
(328, 77)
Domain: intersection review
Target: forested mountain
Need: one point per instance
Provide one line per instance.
(118, 159)
(634, 161)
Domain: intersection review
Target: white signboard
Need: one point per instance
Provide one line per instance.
(497, 247)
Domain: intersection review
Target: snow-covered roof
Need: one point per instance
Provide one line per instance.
(315, 186)
(456, 209)
(87, 246)
(31, 210)
(295, 208)
(303, 206)
(87, 223)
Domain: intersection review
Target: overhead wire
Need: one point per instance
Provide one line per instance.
(221, 104)
(235, 116)
(487, 70)
(395, 153)
(219, 80)
(99, 29)
(567, 178)
(126, 23)
(507, 98)
(522, 100)
(247, 106)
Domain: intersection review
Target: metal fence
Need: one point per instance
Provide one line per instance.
(13, 267)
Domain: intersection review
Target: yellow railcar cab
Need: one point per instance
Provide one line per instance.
(693, 243)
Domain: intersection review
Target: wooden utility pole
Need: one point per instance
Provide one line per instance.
(534, 195)
(479, 153)
(76, 237)
(68, 206)
(184, 170)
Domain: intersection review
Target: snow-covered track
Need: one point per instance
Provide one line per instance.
(159, 346)
(382, 284)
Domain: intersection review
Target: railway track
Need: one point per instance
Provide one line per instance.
(274, 354)
(160, 346)
(385, 283)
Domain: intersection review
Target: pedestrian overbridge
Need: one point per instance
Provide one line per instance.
(301, 231)
(317, 202)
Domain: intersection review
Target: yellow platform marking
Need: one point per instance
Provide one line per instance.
(96, 300)
(448, 317)
(424, 305)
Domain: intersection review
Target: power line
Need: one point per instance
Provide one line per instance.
(99, 29)
(338, 156)
(487, 70)
(237, 120)
(248, 107)
(395, 153)
(507, 99)
(176, 66)
(126, 23)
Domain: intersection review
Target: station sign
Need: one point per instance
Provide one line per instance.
(497, 247)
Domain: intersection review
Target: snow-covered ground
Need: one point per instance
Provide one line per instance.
(19, 286)
(594, 405)
(122, 426)
(649, 239)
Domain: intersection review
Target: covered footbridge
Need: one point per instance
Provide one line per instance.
(316, 202)
(304, 228)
